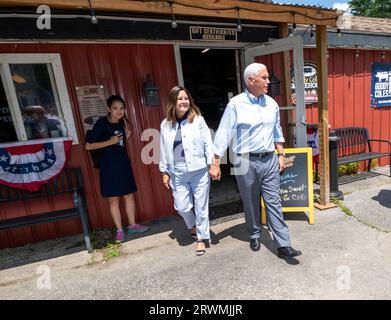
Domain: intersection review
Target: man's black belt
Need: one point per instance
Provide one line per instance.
(256, 155)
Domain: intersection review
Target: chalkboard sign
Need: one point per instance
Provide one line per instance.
(296, 186)
(294, 181)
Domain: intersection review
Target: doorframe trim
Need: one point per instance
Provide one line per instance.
(294, 43)
(179, 45)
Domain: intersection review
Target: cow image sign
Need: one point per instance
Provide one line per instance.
(381, 85)
(310, 83)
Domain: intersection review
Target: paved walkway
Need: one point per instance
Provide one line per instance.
(345, 256)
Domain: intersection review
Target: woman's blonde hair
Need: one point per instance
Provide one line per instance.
(172, 102)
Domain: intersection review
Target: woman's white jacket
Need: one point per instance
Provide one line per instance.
(196, 140)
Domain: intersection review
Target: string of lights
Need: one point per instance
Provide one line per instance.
(311, 32)
(94, 19)
(194, 6)
(238, 9)
(173, 21)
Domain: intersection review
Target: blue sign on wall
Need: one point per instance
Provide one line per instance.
(381, 85)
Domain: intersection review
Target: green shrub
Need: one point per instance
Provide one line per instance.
(112, 250)
(374, 163)
(348, 168)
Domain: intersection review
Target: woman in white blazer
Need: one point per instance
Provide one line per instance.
(185, 155)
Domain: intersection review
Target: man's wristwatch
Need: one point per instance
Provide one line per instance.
(281, 154)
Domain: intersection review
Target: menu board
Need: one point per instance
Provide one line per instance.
(92, 104)
(294, 181)
(296, 185)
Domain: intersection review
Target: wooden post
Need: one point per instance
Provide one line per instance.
(323, 115)
(286, 76)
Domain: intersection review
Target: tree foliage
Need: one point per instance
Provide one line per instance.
(371, 8)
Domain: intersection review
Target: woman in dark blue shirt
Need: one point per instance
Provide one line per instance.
(116, 177)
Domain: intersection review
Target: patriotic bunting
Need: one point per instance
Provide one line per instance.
(28, 165)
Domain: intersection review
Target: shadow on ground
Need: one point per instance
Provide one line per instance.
(240, 233)
(384, 198)
(44, 250)
(100, 238)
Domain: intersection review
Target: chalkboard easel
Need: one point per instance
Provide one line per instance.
(296, 186)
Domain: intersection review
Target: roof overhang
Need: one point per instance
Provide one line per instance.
(221, 9)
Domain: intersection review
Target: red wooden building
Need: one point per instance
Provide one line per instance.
(119, 59)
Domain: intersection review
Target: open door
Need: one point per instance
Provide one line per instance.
(295, 44)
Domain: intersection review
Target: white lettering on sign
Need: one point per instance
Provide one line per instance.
(213, 34)
(382, 86)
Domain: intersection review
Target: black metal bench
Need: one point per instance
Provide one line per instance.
(69, 181)
(355, 145)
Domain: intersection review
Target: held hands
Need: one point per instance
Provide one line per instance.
(166, 180)
(215, 172)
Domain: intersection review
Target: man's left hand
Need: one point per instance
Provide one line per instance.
(281, 162)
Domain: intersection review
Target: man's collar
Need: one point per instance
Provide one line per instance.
(255, 99)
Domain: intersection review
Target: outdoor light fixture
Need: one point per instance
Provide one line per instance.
(173, 21)
(239, 23)
(294, 24)
(383, 55)
(328, 55)
(94, 19)
(357, 53)
(306, 29)
(293, 31)
(151, 92)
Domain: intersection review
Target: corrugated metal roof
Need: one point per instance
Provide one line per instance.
(293, 4)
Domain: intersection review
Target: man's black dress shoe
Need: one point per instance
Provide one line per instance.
(255, 244)
(287, 252)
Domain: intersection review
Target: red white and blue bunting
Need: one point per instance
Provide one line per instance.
(28, 165)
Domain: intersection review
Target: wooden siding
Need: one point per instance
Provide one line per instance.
(122, 69)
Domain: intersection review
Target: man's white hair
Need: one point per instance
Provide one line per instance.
(252, 70)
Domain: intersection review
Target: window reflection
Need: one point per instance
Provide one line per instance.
(38, 101)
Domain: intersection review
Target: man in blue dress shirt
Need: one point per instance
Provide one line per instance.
(251, 125)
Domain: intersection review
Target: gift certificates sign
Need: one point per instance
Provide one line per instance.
(213, 34)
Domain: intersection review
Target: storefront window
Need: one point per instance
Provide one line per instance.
(35, 97)
(37, 100)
